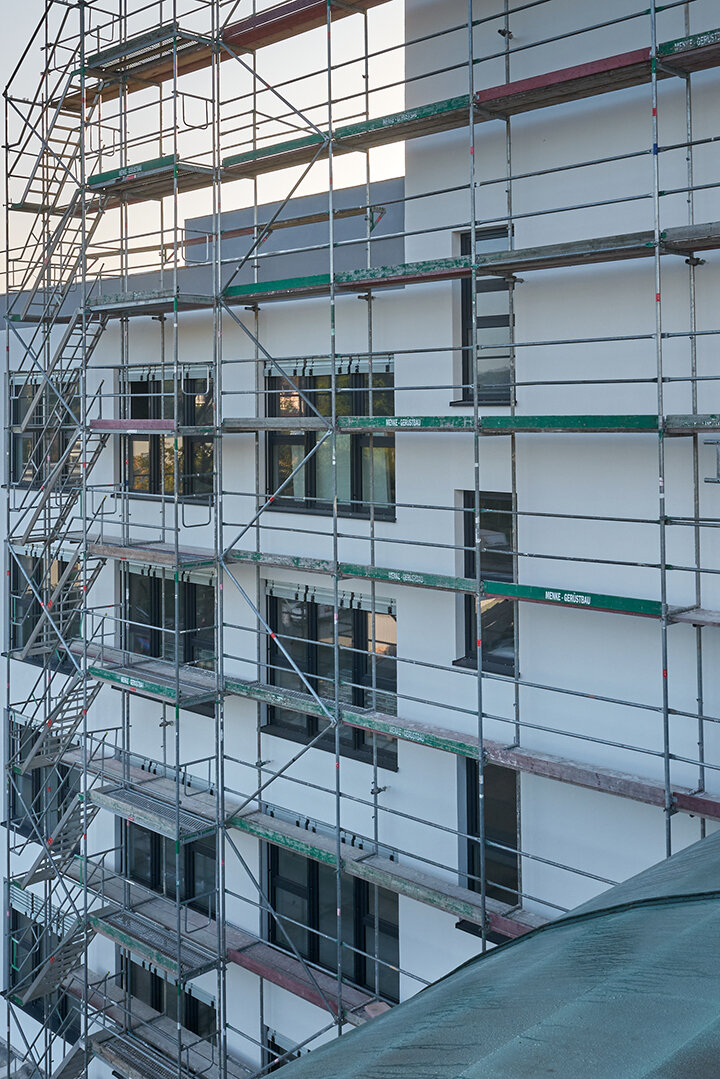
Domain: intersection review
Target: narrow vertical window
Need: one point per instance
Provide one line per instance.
(502, 863)
(490, 310)
(497, 615)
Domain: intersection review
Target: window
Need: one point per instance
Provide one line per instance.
(25, 609)
(303, 894)
(152, 621)
(40, 797)
(151, 467)
(492, 317)
(162, 996)
(274, 1054)
(305, 629)
(502, 864)
(365, 462)
(37, 449)
(151, 861)
(30, 945)
(497, 615)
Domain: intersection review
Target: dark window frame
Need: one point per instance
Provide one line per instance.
(193, 639)
(362, 897)
(273, 1050)
(158, 993)
(39, 801)
(161, 861)
(357, 396)
(47, 434)
(59, 1005)
(501, 395)
(491, 664)
(21, 596)
(355, 743)
(502, 830)
(25, 609)
(148, 399)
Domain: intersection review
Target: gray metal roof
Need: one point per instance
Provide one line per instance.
(624, 987)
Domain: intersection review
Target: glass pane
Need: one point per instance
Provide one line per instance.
(344, 395)
(494, 377)
(59, 791)
(381, 400)
(22, 395)
(24, 947)
(491, 239)
(165, 407)
(383, 476)
(323, 471)
(292, 624)
(201, 643)
(169, 998)
(286, 454)
(290, 620)
(350, 674)
(385, 666)
(501, 866)
(382, 942)
(167, 446)
(142, 984)
(492, 303)
(139, 478)
(290, 908)
(141, 637)
(140, 400)
(71, 1012)
(327, 921)
(140, 855)
(25, 607)
(25, 802)
(320, 393)
(198, 396)
(204, 1021)
(284, 398)
(289, 883)
(284, 717)
(170, 864)
(498, 639)
(173, 618)
(202, 853)
(22, 456)
(493, 338)
(53, 450)
(292, 868)
(198, 462)
(496, 534)
(326, 658)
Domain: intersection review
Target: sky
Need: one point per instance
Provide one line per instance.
(386, 27)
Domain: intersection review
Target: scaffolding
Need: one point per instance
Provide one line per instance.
(143, 116)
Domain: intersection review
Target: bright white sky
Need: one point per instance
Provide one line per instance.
(386, 28)
(16, 32)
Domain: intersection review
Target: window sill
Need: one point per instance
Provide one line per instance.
(469, 663)
(475, 931)
(364, 515)
(467, 402)
(386, 761)
(145, 496)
